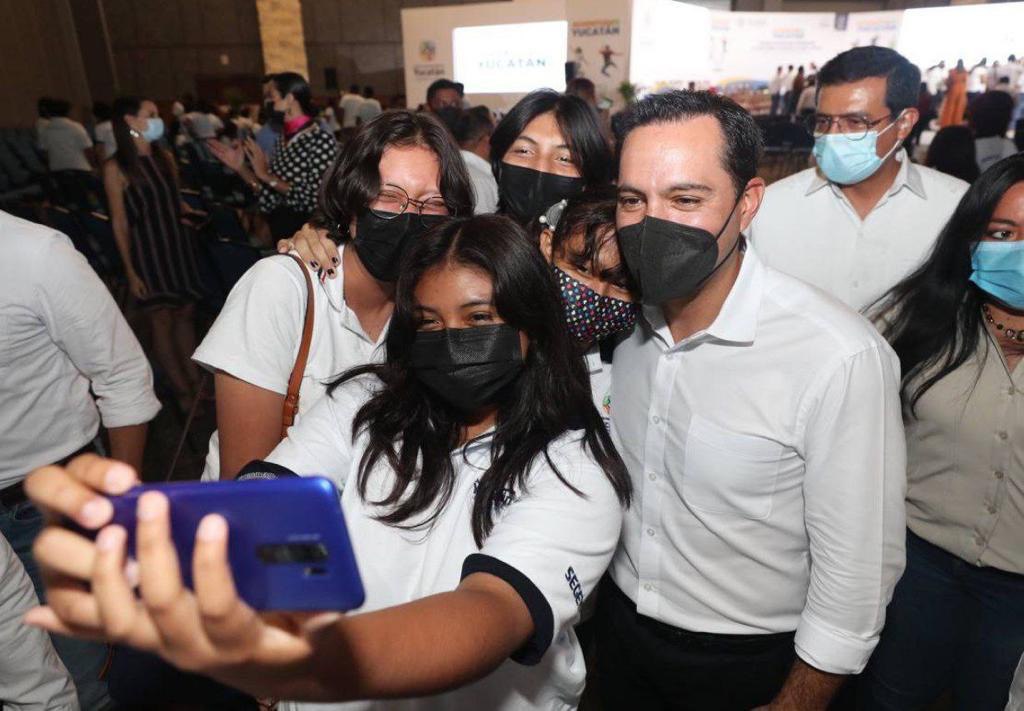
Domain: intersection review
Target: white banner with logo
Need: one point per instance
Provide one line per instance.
(599, 45)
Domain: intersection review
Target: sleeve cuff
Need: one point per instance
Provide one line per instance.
(540, 610)
(258, 469)
(136, 414)
(831, 650)
(238, 368)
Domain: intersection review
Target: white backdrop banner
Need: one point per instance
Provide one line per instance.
(599, 44)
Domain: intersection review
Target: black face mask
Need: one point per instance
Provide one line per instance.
(527, 193)
(669, 260)
(380, 243)
(467, 367)
(274, 117)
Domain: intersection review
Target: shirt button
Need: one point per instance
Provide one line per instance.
(1011, 391)
(648, 587)
(991, 509)
(652, 476)
(1004, 435)
(650, 531)
(999, 475)
(656, 420)
(979, 539)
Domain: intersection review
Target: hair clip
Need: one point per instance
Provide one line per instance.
(553, 214)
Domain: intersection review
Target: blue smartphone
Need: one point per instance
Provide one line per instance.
(287, 542)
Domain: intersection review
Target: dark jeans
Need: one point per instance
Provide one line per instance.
(138, 680)
(646, 664)
(20, 524)
(950, 625)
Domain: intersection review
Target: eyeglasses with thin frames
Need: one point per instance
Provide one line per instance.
(392, 201)
(855, 127)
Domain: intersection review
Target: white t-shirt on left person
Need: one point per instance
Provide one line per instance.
(256, 336)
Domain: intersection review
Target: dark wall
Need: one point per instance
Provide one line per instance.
(159, 47)
(39, 56)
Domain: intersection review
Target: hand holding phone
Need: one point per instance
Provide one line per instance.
(288, 547)
(210, 629)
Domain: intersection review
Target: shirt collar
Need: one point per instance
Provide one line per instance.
(737, 320)
(335, 289)
(593, 360)
(909, 175)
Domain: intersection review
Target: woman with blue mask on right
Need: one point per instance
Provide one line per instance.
(957, 616)
(146, 209)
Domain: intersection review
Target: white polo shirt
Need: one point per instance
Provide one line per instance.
(485, 187)
(769, 470)
(256, 337)
(807, 228)
(549, 543)
(65, 142)
(68, 359)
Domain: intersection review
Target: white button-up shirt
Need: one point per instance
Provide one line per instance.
(769, 467)
(61, 336)
(558, 541)
(806, 227)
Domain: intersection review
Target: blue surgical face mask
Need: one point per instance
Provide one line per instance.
(999, 271)
(846, 160)
(154, 129)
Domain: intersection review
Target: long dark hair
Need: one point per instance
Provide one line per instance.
(577, 122)
(416, 433)
(127, 155)
(353, 181)
(296, 85)
(933, 318)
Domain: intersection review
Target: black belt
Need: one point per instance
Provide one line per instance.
(15, 493)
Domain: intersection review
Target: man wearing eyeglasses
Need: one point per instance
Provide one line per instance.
(865, 217)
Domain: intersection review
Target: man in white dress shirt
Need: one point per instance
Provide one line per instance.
(759, 419)
(472, 131)
(865, 217)
(68, 361)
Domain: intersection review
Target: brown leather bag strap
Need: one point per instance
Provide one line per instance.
(291, 400)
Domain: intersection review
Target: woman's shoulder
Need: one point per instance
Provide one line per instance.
(568, 457)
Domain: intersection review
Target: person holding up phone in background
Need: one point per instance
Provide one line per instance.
(472, 454)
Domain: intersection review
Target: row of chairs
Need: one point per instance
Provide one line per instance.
(222, 246)
(22, 169)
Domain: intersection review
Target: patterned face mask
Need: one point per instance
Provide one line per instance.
(590, 316)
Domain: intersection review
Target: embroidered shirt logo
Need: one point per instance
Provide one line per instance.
(574, 585)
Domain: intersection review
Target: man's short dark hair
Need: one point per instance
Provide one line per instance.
(902, 79)
(471, 126)
(440, 85)
(990, 114)
(743, 142)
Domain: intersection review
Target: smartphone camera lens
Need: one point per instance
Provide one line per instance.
(280, 553)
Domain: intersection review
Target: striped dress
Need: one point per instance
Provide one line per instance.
(162, 249)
